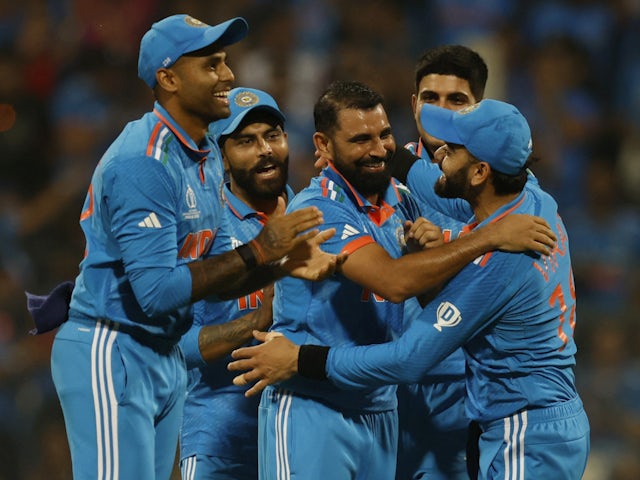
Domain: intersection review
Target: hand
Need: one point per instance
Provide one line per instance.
(321, 161)
(309, 262)
(422, 234)
(273, 361)
(520, 232)
(283, 232)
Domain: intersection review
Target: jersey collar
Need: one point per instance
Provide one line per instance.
(180, 134)
(240, 209)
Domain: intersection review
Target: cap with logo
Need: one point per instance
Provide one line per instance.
(243, 100)
(172, 37)
(493, 131)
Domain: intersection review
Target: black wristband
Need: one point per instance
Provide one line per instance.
(312, 361)
(247, 255)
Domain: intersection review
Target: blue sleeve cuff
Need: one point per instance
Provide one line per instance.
(191, 349)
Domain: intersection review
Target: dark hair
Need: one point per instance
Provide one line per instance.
(339, 96)
(504, 184)
(454, 60)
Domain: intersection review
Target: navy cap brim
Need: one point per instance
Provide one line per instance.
(438, 122)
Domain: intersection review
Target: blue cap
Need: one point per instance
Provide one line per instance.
(170, 38)
(494, 132)
(243, 100)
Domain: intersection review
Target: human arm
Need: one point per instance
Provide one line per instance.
(476, 294)
(207, 342)
(397, 279)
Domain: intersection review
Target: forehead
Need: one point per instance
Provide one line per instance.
(353, 121)
(444, 84)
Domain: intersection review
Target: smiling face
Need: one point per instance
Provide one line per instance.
(257, 157)
(457, 165)
(361, 147)
(201, 82)
(446, 91)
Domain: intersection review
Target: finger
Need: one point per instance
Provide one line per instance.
(244, 352)
(261, 336)
(240, 380)
(270, 336)
(257, 388)
(324, 235)
(281, 207)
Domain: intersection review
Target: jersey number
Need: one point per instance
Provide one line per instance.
(558, 297)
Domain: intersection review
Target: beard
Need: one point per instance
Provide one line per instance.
(456, 185)
(261, 188)
(366, 182)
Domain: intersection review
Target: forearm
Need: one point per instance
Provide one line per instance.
(417, 273)
(229, 275)
(217, 341)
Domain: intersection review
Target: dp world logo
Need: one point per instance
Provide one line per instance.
(448, 316)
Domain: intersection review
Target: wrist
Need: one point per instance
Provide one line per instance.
(312, 361)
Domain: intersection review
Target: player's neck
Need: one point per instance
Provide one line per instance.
(488, 203)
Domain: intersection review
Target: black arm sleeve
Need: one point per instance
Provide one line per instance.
(401, 163)
(312, 360)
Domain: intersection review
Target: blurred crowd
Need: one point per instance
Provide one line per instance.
(68, 84)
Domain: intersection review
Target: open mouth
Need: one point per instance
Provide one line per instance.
(269, 170)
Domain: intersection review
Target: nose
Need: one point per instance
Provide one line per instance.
(381, 146)
(225, 73)
(265, 147)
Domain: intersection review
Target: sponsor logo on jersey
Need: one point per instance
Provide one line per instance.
(348, 231)
(150, 221)
(190, 200)
(447, 315)
(197, 244)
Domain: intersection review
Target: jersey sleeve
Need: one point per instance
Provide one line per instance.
(350, 234)
(468, 303)
(132, 192)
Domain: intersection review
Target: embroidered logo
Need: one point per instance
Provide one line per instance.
(150, 221)
(448, 315)
(348, 231)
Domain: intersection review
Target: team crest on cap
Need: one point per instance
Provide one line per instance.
(194, 22)
(246, 99)
(468, 109)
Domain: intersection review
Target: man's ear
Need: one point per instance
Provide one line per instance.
(225, 162)
(321, 142)
(414, 102)
(167, 79)
(481, 172)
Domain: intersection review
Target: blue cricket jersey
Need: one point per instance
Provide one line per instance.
(420, 179)
(218, 419)
(152, 207)
(337, 311)
(514, 314)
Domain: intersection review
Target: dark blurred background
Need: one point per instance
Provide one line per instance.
(68, 84)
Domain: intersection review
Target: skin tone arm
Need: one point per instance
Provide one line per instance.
(276, 360)
(227, 276)
(216, 341)
(413, 274)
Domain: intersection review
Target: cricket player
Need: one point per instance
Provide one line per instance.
(513, 314)
(313, 430)
(150, 217)
(219, 435)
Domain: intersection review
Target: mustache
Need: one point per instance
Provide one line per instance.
(270, 161)
(374, 160)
